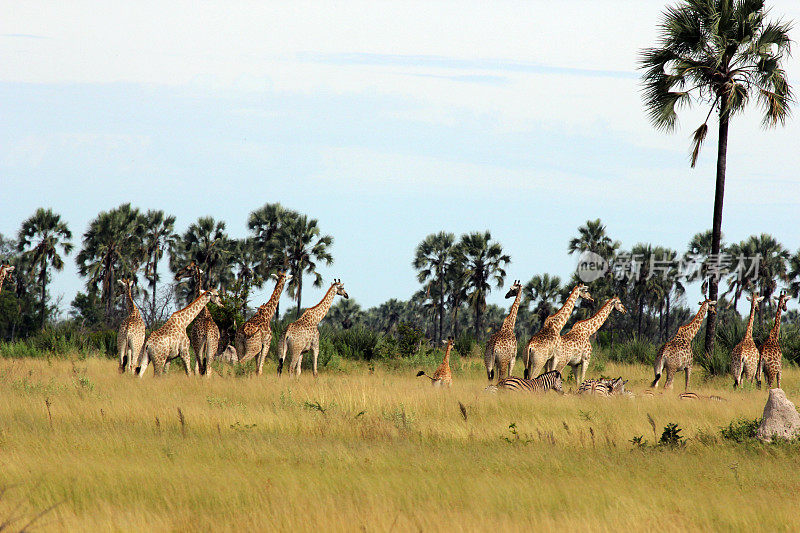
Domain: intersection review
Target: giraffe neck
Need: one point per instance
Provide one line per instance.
(317, 313)
(132, 309)
(693, 327)
(3, 273)
(776, 327)
(511, 319)
(591, 325)
(446, 360)
(272, 303)
(560, 318)
(188, 313)
(749, 333)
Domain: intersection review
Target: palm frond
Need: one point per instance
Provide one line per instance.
(697, 141)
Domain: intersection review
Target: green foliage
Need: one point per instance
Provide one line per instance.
(716, 363)
(635, 350)
(61, 340)
(671, 436)
(741, 430)
(409, 339)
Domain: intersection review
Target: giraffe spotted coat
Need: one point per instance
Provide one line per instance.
(302, 335)
(254, 337)
(576, 346)
(501, 348)
(170, 340)
(5, 270)
(204, 333)
(771, 356)
(676, 354)
(744, 357)
(443, 375)
(546, 343)
(131, 332)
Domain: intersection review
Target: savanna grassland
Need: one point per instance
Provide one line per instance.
(377, 449)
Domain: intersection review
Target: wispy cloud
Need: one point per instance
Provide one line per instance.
(22, 36)
(440, 62)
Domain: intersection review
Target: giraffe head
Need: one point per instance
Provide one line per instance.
(337, 283)
(6, 269)
(448, 341)
(782, 299)
(215, 299)
(755, 298)
(188, 271)
(712, 305)
(618, 305)
(583, 292)
(515, 289)
(282, 274)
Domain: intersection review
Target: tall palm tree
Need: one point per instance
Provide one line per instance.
(207, 244)
(266, 224)
(456, 284)
(484, 262)
(794, 274)
(432, 258)
(772, 264)
(303, 247)
(542, 290)
(112, 248)
(592, 237)
(389, 314)
(159, 237)
(39, 239)
(720, 53)
(697, 258)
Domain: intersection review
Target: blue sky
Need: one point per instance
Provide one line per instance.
(386, 122)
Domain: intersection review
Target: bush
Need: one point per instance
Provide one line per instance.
(409, 339)
(715, 364)
(635, 350)
(741, 430)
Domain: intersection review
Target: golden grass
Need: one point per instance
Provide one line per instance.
(376, 450)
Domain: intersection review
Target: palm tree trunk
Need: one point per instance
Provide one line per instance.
(299, 295)
(441, 309)
(716, 229)
(155, 278)
(666, 325)
(43, 283)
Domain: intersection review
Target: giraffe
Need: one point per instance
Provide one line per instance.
(546, 343)
(676, 354)
(204, 333)
(5, 270)
(442, 376)
(770, 360)
(576, 348)
(745, 356)
(170, 340)
(302, 335)
(254, 337)
(501, 349)
(130, 336)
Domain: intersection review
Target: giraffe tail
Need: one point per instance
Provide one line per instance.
(422, 373)
(281, 353)
(658, 367)
(759, 366)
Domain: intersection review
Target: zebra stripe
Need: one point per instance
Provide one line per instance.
(603, 387)
(544, 382)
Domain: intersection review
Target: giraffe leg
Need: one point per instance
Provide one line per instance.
(143, 361)
(670, 377)
(315, 354)
(778, 378)
(584, 368)
(260, 359)
(576, 371)
(184, 354)
(198, 356)
(511, 363)
(688, 372)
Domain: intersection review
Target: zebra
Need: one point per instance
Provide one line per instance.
(541, 383)
(603, 386)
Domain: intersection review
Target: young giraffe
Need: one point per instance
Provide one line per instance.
(576, 348)
(501, 349)
(771, 355)
(5, 270)
(744, 357)
(170, 340)
(130, 336)
(442, 376)
(676, 354)
(254, 337)
(204, 333)
(546, 343)
(302, 335)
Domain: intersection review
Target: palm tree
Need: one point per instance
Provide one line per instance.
(388, 314)
(432, 259)
(484, 262)
(206, 243)
(304, 246)
(698, 256)
(592, 237)
(39, 239)
(345, 314)
(158, 238)
(794, 274)
(720, 53)
(266, 224)
(112, 248)
(772, 263)
(542, 290)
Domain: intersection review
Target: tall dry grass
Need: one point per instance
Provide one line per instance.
(378, 450)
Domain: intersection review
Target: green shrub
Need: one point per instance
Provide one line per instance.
(741, 430)
(715, 364)
(409, 339)
(635, 350)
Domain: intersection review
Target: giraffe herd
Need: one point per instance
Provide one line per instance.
(547, 349)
